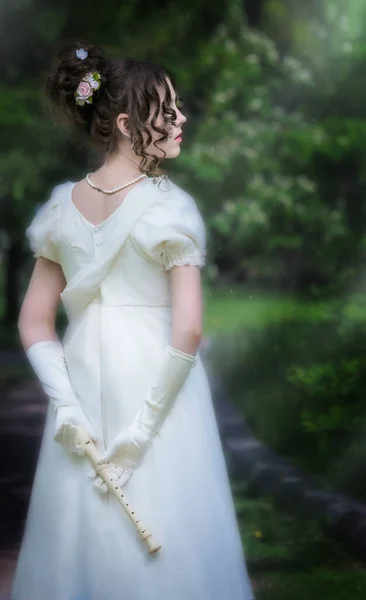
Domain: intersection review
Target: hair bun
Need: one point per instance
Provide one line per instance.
(74, 59)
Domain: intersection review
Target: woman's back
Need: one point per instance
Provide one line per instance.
(127, 256)
(96, 207)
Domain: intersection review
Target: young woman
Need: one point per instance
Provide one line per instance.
(123, 249)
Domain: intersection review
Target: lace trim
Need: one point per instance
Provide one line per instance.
(179, 260)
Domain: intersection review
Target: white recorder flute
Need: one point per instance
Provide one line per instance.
(104, 471)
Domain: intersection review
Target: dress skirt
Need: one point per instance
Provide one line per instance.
(78, 544)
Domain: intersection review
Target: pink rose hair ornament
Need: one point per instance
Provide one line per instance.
(89, 83)
(86, 88)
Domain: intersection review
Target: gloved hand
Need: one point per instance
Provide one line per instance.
(68, 419)
(48, 361)
(129, 447)
(99, 483)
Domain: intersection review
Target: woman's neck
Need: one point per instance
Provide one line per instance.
(117, 169)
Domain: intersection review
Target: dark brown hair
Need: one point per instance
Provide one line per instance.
(127, 85)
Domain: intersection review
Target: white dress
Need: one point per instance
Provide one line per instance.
(79, 544)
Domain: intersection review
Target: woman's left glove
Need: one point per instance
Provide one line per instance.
(128, 449)
(114, 474)
(130, 446)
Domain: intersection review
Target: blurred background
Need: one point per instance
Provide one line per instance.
(274, 153)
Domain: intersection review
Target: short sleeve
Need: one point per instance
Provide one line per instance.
(172, 232)
(42, 231)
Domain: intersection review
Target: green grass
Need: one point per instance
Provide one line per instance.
(291, 557)
(315, 584)
(271, 534)
(228, 310)
(235, 308)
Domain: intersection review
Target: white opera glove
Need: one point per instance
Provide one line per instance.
(48, 362)
(130, 446)
(68, 419)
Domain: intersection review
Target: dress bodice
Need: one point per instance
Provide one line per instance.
(126, 258)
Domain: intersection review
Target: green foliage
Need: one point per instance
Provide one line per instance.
(278, 161)
(281, 537)
(275, 151)
(325, 390)
(250, 161)
(327, 584)
(227, 310)
(300, 385)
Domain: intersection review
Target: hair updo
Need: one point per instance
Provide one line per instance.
(126, 86)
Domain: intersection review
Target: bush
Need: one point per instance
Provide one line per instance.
(301, 388)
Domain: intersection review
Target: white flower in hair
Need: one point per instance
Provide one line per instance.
(92, 82)
(81, 53)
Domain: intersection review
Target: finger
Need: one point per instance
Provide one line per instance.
(79, 446)
(58, 435)
(65, 437)
(126, 475)
(62, 435)
(80, 450)
(100, 485)
(118, 471)
(73, 438)
(91, 472)
(98, 481)
(115, 473)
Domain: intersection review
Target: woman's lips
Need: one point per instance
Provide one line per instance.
(178, 138)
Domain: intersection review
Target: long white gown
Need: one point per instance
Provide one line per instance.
(79, 544)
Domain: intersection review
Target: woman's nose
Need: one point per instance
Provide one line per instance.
(182, 119)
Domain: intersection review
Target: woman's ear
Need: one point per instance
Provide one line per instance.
(122, 124)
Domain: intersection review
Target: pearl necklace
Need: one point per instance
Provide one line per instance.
(117, 189)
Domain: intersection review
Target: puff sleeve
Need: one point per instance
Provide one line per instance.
(42, 231)
(172, 232)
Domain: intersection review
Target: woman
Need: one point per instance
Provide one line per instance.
(123, 249)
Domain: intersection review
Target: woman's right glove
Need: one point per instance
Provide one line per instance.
(48, 361)
(129, 447)
(68, 419)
